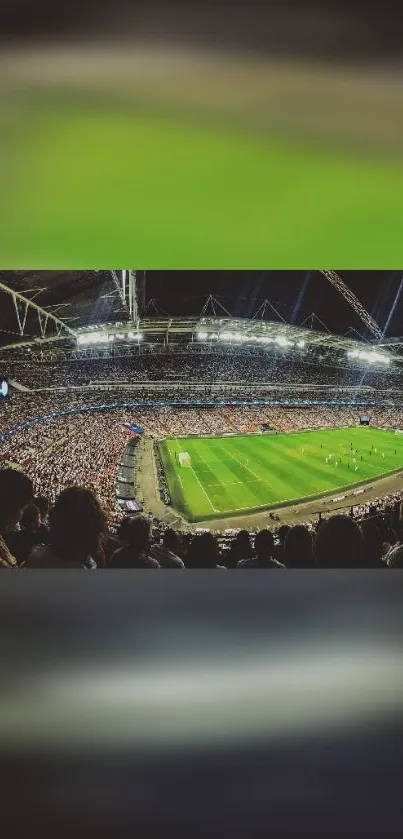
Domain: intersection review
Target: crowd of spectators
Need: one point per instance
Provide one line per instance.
(174, 421)
(249, 367)
(75, 534)
(71, 450)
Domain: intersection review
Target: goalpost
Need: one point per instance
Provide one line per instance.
(184, 459)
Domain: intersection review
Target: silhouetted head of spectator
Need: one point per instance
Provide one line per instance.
(395, 521)
(372, 545)
(264, 544)
(203, 552)
(399, 529)
(16, 491)
(171, 541)
(339, 544)
(298, 548)
(138, 534)
(43, 506)
(319, 524)
(282, 533)
(240, 548)
(242, 545)
(76, 524)
(31, 518)
(122, 529)
(382, 523)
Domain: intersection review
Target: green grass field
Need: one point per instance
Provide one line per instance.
(234, 475)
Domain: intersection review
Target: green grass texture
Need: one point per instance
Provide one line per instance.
(234, 475)
(85, 187)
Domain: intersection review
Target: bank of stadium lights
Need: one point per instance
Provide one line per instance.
(243, 338)
(369, 356)
(93, 338)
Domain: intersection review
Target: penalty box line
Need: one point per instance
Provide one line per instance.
(201, 485)
(235, 483)
(257, 478)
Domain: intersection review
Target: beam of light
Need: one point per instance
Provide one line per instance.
(393, 309)
(300, 298)
(387, 324)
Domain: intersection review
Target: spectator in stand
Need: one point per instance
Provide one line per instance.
(339, 544)
(109, 544)
(278, 551)
(264, 549)
(43, 506)
(372, 545)
(167, 554)
(136, 532)
(204, 552)
(22, 541)
(241, 548)
(77, 523)
(383, 526)
(16, 492)
(122, 530)
(298, 548)
(394, 557)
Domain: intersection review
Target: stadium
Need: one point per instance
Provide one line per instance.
(200, 422)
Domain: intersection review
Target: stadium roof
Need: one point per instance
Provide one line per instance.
(249, 303)
(205, 334)
(76, 297)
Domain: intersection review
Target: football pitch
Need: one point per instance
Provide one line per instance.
(228, 476)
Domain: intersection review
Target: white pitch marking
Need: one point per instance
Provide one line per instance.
(202, 487)
(242, 464)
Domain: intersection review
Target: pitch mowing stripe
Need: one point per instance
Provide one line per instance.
(282, 470)
(196, 494)
(276, 473)
(260, 492)
(370, 467)
(192, 499)
(259, 489)
(265, 494)
(245, 488)
(215, 510)
(209, 478)
(311, 465)
(233, 498)
(220, 479)
(190, 489)
(248, 480)
(310, 473)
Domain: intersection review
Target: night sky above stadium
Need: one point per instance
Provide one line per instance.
(295, 295)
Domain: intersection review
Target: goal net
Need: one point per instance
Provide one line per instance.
(184, 459)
